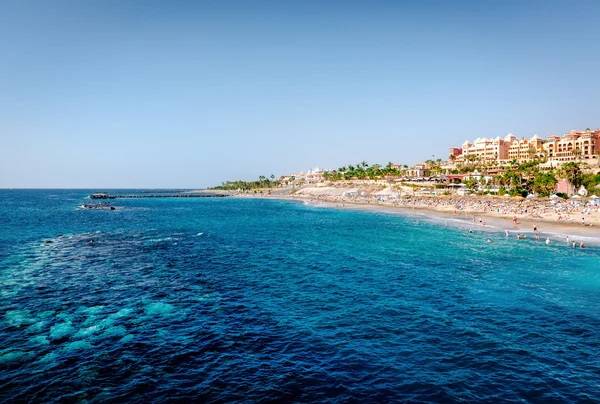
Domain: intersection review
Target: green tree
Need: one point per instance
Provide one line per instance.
(544, 183)
(571, 171)
(470, 183)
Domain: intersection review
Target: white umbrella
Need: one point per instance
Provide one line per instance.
(594, 197)
(530, 196)
(387, 191)
(575, 197)
(554, 196)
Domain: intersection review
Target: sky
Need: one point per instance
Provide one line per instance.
(187, 94)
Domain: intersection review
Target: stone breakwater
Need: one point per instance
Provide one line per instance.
(161, 195)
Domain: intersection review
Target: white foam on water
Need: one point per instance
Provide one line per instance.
(61, 330)
(199, 234)
(159, 309)
(86, 332)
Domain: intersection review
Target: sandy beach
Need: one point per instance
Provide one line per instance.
(554, 219)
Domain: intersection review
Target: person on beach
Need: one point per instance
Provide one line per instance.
(514, 221)
(534, 227)
(583, 221)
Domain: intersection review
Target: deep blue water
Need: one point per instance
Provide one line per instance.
(280, 301)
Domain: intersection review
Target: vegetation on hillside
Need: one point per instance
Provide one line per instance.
(516, 179)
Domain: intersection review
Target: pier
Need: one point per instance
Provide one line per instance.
(166, 194)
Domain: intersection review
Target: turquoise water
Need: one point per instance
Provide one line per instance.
(224, 300)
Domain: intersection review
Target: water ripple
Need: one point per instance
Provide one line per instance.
(282, 302)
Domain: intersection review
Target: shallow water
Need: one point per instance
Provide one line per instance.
(245, 300)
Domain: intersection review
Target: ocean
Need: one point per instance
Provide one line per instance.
(246, 300)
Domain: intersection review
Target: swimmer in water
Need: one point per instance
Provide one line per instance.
(537, 236)
(506, 232)
(470, 231)
(574, 244)
(547, 241)
(489, 241)
(582, 245)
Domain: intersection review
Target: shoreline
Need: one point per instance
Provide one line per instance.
(492, 221)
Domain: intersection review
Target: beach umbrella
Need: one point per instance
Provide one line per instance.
(594, 197)
(530, 196)
(575, 197)
(554, 196)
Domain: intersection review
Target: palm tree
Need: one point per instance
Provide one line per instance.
(573, 173)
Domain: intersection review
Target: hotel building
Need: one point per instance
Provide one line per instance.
(573, 146)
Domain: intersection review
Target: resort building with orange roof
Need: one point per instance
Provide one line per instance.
(573, 146)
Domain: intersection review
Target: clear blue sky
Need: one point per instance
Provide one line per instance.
(192, 93)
